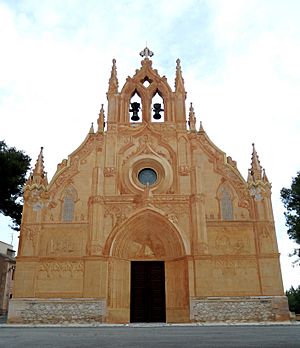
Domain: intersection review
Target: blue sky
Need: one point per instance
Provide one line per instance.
(240, 62)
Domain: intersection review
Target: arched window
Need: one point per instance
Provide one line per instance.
(68, 206)
(135, 108)
(226, 204)
(157, 108)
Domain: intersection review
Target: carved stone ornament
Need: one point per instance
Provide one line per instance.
(30, 233)
(184, 170)
(118, 213)
(61, 270)
(173, 218)
(230, 267)
(110, 171)
(256, 192)
(94, 248)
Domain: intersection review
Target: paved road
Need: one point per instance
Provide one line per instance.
(145, 337)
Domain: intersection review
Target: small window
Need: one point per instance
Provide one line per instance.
(147, 176)
(226, 205)
(68, 208)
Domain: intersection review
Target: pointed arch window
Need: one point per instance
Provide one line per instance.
(226, 204)
(135, 108)
(157, 108)
(68, 206)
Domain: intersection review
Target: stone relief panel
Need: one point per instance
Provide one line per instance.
(148, 235)
(63, 240)
(231, 241)
(57, 270)
(231, 276)
(174, 211)
(30, 237)
(115, 214)
(146, 247)
(146, 144)
(266, 238)
(59, 277)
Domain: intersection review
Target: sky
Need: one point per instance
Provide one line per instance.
(240, 61)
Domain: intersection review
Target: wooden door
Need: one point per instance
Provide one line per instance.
(147, 298)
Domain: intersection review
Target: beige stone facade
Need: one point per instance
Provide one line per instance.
(147, 186)
(7, 270)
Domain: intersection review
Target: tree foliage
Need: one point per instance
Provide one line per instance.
(291, 200)
(293, 296)
(14, 165)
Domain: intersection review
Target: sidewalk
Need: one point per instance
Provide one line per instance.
(145, 325)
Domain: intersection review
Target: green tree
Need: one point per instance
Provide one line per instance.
(14, 165)
(293, 296)
(291, 200)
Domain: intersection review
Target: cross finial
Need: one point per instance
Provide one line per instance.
(146, 53)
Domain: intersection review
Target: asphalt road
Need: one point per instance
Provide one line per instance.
(287, 336)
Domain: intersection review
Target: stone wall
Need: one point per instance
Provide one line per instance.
(239, 309)
(53, 311)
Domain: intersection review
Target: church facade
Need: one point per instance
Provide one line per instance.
(147, 221)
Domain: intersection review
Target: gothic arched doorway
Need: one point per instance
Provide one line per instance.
(149, 248)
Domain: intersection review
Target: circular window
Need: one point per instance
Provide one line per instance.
(147, 176)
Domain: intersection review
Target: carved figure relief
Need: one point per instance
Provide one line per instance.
(60, 247)
(118, 213)
(146, 247)
(266, 242)
(231, 267)
(231, 245)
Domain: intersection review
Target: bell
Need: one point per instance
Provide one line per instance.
(135, 107)
(157, 109)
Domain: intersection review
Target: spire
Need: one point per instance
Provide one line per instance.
(39, 169)
(256, 169)
(100, 120)
(264, 177)
(113, 81)
(179, 82)
(255, 172)
(92, 128)
(201, 129)
(38, 175)
(192, 119)
(249, 178)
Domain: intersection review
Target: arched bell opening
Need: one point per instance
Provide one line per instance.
(157, 107)
(135, 108)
